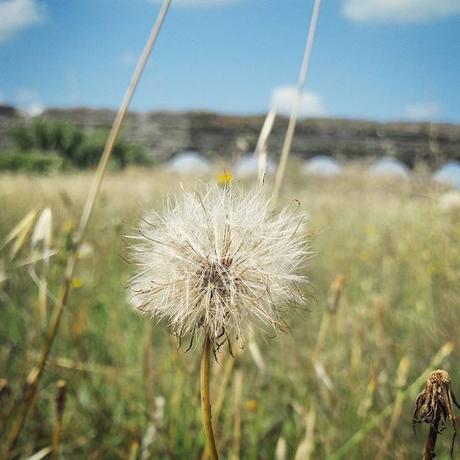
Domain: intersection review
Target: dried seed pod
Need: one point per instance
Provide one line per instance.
(435, 405)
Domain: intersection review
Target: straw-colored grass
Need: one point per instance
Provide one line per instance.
(399, 255)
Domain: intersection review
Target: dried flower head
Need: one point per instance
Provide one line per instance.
(435, 405)
(219, 262)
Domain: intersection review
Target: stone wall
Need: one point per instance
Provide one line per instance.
(165, 134)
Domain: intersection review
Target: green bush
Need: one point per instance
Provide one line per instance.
(76, 148)
(92, 147)
(31, 161)
(22, 138)
(136, 155)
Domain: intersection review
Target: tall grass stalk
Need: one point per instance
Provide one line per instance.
(6, 401)
(61, 389)
(148, 370)
(307, 445)
(150, 432)
(134, 449)
(59, 306)
(236, 441)
(281, 449)
(296, 106)
(401, 380)
(261, 147)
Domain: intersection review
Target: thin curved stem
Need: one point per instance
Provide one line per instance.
(296, 106)
(58, 309)
(205, 402)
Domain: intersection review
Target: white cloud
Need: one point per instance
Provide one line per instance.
(199, 3)
(399, 10)
(422, 111)
(17, 15)
(311, 104)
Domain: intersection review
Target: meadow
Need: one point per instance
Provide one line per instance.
(341, 383)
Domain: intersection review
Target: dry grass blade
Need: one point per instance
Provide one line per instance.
(335, 295)
(40, 243)
(86, 214)
(3, 275)
(296, 106)
(229, 366)
(334, 298)
(281, 449)
(261, 147)
(148, 369)
(20, 233)
(256, 355)
(42, 453)
(42, 234)
(149, 394)
(152, 428)
(306, 447)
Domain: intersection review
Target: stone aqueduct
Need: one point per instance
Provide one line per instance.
(165, 134)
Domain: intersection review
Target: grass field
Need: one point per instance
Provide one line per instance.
(384, 300)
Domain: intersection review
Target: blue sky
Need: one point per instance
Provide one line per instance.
(375, 59)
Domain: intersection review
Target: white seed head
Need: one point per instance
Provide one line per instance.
(219, 262)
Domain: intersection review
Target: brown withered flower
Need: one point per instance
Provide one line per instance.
(435, 406)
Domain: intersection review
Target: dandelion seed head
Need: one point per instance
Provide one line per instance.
(219, 262)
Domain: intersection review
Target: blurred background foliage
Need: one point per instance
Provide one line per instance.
(46, 146)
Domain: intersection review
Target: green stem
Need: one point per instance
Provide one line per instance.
(205, 402)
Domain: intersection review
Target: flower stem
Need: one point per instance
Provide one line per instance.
(431, 441)
(205, 403)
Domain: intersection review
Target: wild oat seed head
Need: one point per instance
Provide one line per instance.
(219, 262)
